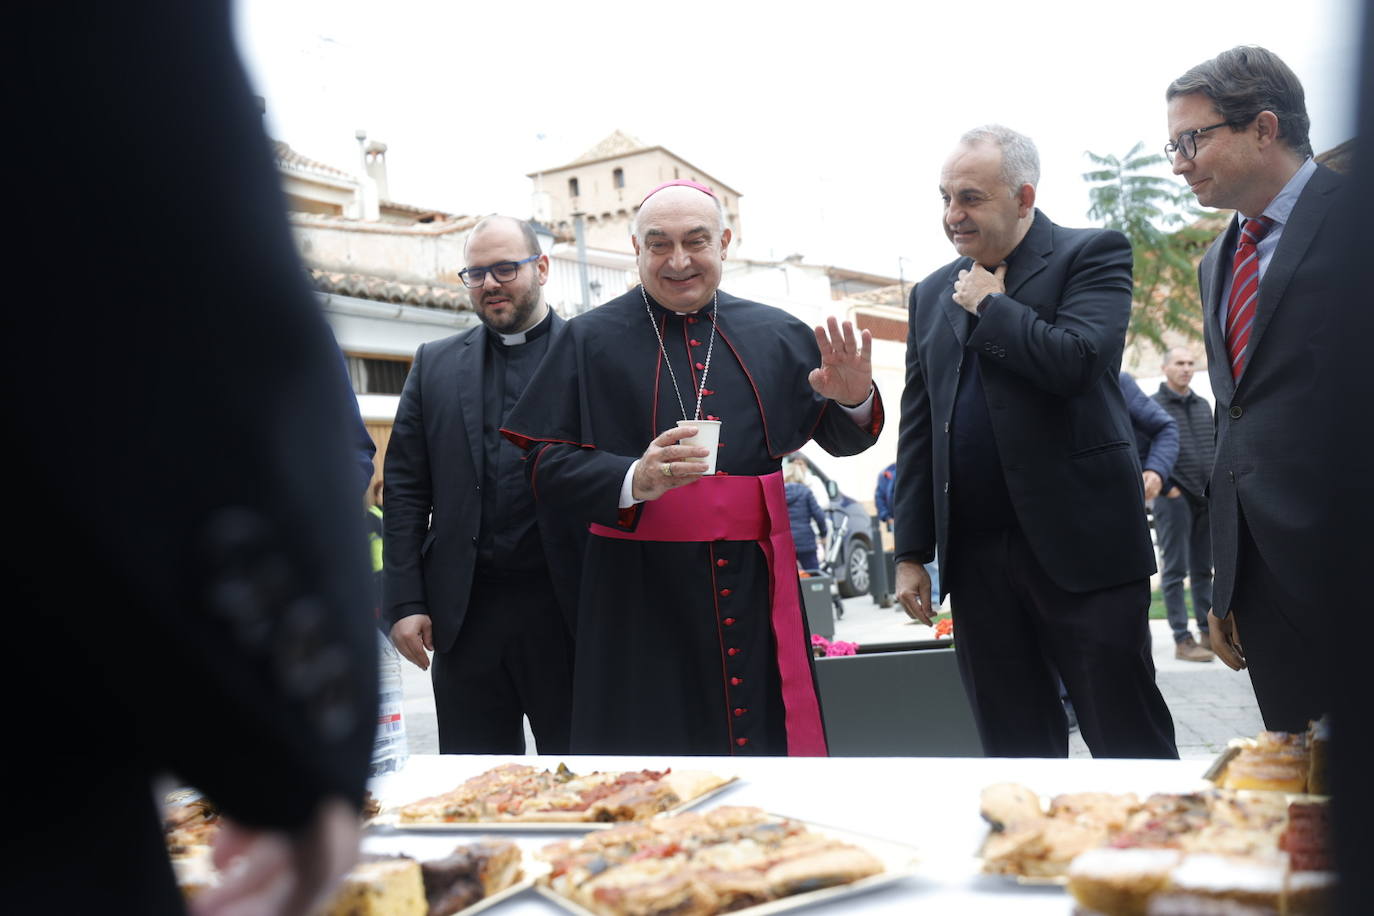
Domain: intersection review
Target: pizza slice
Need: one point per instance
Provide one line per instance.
(701, 863)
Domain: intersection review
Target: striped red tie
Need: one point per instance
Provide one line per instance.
(1240, 308)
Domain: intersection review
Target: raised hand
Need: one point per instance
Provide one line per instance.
(846, 371)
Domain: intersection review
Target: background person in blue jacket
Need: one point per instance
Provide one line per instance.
(802, 510)
(882, 494)
(882, 498)
(1156, 436)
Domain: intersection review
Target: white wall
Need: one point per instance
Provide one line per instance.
(364, 326)
(401, 253)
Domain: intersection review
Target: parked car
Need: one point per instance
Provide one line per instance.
(850, 544)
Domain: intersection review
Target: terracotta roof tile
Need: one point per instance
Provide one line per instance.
(380, 289)
(1339, 157)
(288, 158)
(617, 144)
(439, 226)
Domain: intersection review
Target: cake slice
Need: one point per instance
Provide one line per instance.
(380, 886)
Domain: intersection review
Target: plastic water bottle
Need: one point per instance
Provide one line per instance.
(390, 749)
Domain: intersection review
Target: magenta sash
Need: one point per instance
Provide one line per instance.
(730, 508)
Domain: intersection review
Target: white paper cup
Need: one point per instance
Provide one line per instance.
(708, 436)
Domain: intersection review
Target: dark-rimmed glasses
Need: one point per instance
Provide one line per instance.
(503, 271)
(1186, 145)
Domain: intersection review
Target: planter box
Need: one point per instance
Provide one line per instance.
(816, 600)
(896, 704)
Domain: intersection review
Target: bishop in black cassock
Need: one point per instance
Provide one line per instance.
(681, 648)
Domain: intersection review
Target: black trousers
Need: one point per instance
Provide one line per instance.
(1013, 628)
(1280, 635)
(512, 658)
(1185, 544)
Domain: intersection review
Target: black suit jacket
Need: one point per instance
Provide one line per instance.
(1050, 351)
(189, 592)
(434, 466)
(1269, 423)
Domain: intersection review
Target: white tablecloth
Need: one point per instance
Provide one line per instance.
(930, 803)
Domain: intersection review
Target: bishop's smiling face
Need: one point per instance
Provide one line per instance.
(680, 247)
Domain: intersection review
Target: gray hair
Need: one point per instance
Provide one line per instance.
(1020, 159)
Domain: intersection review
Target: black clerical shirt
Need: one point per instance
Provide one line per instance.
(978, 496)
(509, 537)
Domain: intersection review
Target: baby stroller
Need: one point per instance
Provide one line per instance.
(834, 553)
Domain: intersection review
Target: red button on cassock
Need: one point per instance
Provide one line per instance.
(722, 562)
(732, 651)
(725, 593)
(741, 741)
(736, 681)
(711, 416)
(700, 366)
(692, 320)
(729, 621)
(696, 343)
(740, 710)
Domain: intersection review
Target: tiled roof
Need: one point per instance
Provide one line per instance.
(1339, 157)
(380, 289)
(883, 295)
(288, 158)
(424, 214)
(441, 226)
(617, 144)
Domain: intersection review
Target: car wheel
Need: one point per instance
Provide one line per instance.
(856, 581)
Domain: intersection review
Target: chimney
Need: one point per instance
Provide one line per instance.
(374, 162)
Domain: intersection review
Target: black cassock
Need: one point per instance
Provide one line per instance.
(675, 646)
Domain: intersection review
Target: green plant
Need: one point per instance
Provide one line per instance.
(1159, 218)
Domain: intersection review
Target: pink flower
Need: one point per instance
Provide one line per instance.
(840, 647)
(819, 640)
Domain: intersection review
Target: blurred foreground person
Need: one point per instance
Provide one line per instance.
(1346, 547)
(192, 585)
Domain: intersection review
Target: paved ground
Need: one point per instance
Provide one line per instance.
(1211, 703)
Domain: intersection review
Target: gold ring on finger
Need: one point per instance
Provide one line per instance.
(667, 469)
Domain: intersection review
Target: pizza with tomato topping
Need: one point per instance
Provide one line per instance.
(695, 864)
(520, 793)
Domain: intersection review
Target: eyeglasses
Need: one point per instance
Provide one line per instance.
(503, 271)
(1186, 145)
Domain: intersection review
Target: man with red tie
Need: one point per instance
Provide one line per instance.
(1238, 135)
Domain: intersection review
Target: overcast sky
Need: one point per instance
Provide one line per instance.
(832, 119)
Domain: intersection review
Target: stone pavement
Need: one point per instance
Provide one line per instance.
(1211, 704)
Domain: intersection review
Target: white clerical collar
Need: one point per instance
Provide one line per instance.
(520, 337)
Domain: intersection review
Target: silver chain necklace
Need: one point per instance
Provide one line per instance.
(710, 345)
